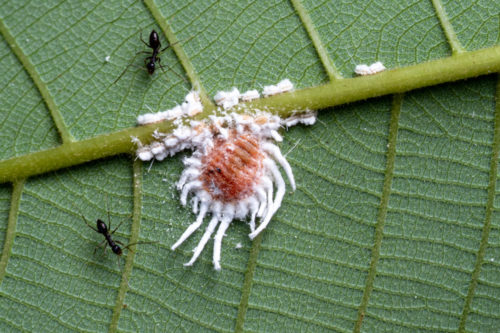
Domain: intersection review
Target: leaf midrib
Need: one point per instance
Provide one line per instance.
(461, 66)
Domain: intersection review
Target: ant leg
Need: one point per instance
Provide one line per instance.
(109, 219)
(145, 42)
(119, 224)
(163, 69)
(85, 220)
(147, 60)
(132, 64)
(126, 246)
(101, 244)
(107, 211)
(88, 224)
(169, 45)
(130, 244)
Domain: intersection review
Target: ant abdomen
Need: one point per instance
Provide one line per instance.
(116, 249)
(150, 66)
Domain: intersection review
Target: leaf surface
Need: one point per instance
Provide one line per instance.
(394, 223)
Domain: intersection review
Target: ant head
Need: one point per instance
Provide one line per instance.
(101, 226)
(150, 66)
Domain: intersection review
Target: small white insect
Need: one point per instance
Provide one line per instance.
(308, 118)
(107, 58)
(150, 118)
(249, 95)
(281, 87)
(190, 107)
(227, 99)
(192, 104)
(143, 152)
(159, 150)
(374, 68)
(285, 85)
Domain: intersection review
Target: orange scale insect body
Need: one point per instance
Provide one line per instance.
(232, 167)
(233, 174)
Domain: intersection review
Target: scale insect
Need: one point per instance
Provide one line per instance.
(234, 175)
(235, 171)
(153, 60)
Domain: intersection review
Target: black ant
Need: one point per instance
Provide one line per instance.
(154, 58)
(102, 228)
(154, 43)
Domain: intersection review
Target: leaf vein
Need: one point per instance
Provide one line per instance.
(488, 214)
(382, 214)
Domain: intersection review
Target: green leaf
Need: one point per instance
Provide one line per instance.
(394, 225)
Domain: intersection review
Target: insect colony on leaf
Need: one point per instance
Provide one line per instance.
(234, 171)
